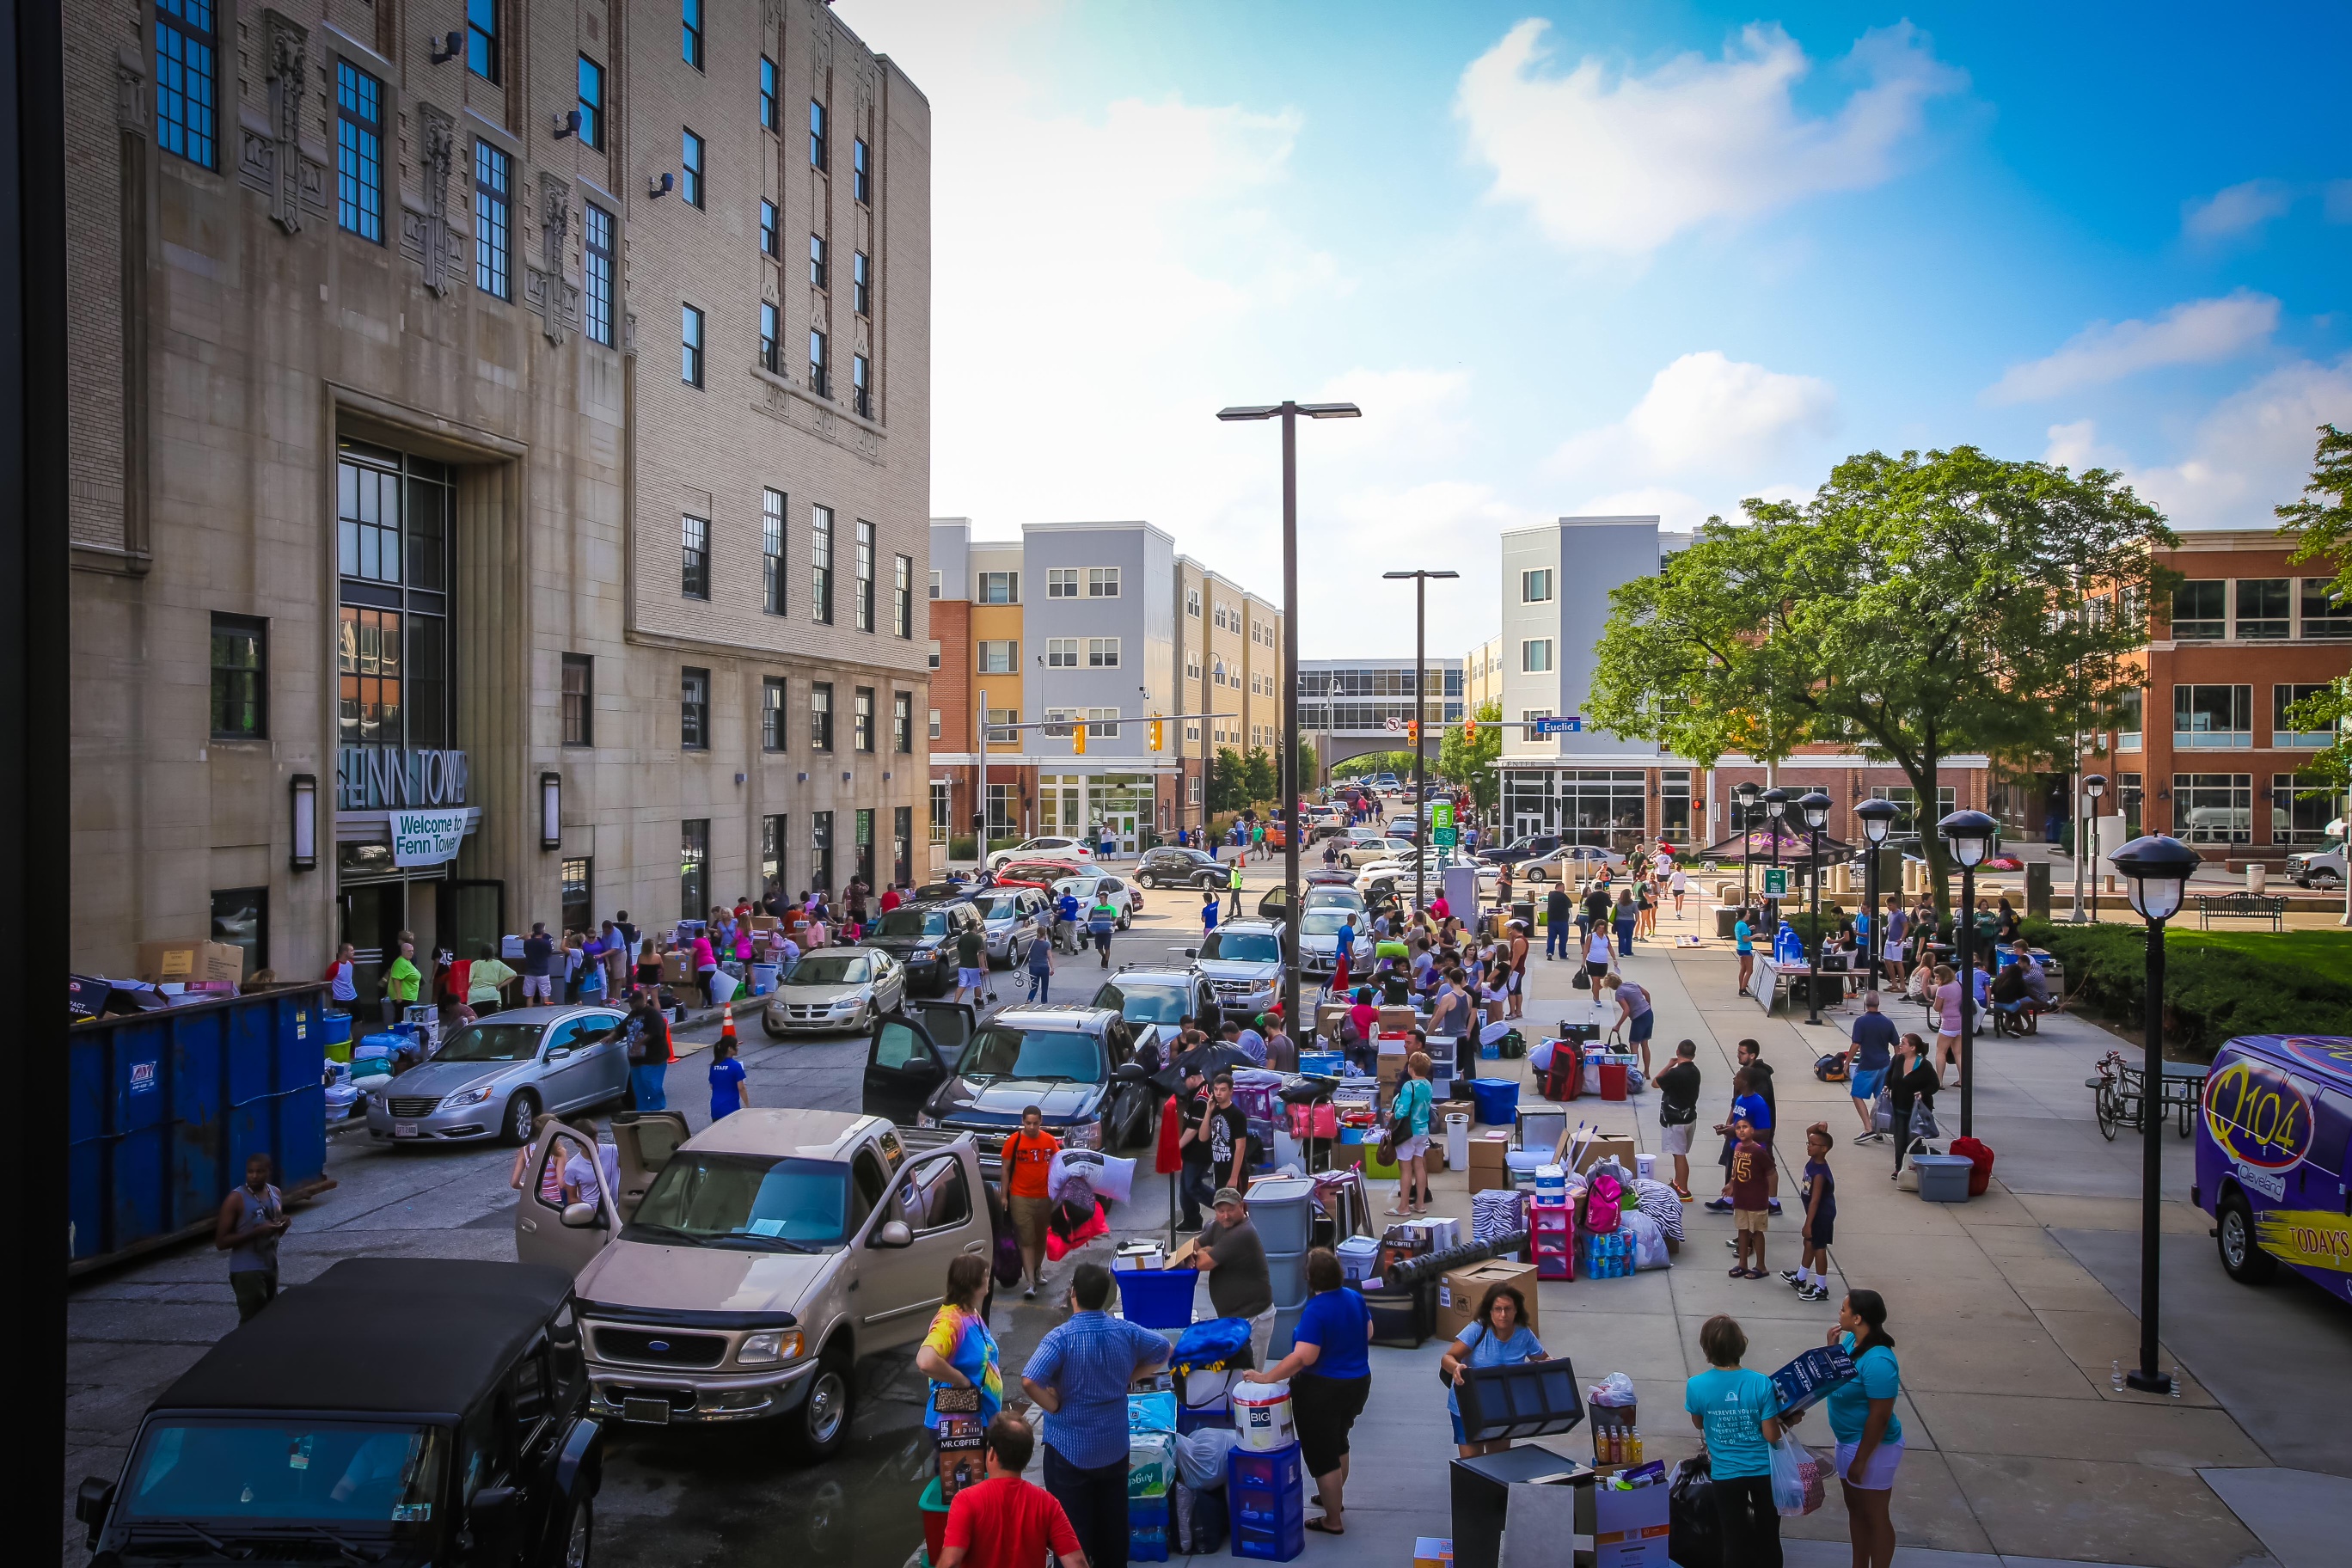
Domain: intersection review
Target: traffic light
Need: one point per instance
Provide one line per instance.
(1079, 739)
(1469, 731)
(1158, 734)
(1413, 732)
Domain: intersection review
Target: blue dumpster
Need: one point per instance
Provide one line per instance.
(164, 1107)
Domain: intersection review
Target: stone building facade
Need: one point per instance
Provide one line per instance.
(515, 410)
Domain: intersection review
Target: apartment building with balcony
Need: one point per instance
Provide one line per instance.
(533, 435)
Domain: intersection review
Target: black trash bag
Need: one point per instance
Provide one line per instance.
(1695, 1536)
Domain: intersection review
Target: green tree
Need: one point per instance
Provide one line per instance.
(1263, 784)
(1228, 783)
(2321, 524)
(1397, 763)
(1310, 767)
(1916, 606)
(1469, 763)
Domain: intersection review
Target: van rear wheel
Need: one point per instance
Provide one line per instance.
(2243, 1257)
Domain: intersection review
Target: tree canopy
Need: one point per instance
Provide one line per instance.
(1916, 607)
(1470, 762)
(2321, 525)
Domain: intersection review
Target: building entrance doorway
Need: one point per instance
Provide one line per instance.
(374, 914)
(473, 915)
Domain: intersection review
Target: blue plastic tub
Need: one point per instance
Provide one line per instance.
(1158, 1297)
(1497, 1099)
(1323, 1064)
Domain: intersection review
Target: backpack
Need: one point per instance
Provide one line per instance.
(1565, 1079)
(1830, 1068)
(1197, 1520)
(1603, 1205)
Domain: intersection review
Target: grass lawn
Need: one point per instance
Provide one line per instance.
(2329, 951)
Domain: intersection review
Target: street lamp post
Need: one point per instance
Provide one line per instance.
(1421, 577)
(1288, 412)
(1877, 817)
(2094, 786)
(2157, 868)
(1816, 807)
(1969, 833)
(1747, 795)
(1776, 806)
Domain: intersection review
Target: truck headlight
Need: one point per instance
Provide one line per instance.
(767, 1348)
(1083, 1134)
(464, 1097)
(923, 1119)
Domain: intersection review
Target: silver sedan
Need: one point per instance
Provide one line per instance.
(492, 1078)
(833, 990)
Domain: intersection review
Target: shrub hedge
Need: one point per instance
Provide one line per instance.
(2210, 994)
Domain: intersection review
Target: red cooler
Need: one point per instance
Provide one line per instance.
(1612, 1081)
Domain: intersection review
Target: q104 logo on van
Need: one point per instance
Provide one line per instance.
(2257, 1116)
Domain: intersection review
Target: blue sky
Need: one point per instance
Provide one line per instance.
(1613, 257)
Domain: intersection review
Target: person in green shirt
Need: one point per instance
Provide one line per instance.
(1236, 884)
(486, 983)
(401, 983)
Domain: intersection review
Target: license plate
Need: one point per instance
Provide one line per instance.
(403, 1130)
(646, 1412)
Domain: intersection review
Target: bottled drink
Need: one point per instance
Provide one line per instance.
(1634, 1455)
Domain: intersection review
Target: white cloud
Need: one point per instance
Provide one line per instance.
(2235, 209)
(2253, 451)
(1618, 162)
(2201, 332)
(2077, 446)
(1709, 413)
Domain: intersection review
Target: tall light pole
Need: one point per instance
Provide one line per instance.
(1776, 806)
(1969, 833)
(1288, 772)
(2096, 788)
(1421, 721)
(1816, 807)
(1877, 817)
(2157, 868)
(1747, 795)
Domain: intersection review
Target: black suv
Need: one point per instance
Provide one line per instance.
(1527, 847)
(922, 937)
(1170, 866)
(1156, 998)
(461, 1433)
(1075, 1064)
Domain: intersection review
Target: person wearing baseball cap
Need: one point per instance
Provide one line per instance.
(1234, 1258)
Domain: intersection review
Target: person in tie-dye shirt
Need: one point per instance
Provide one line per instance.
(960, 1352)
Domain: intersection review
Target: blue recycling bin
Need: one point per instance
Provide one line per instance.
(1497, 1099)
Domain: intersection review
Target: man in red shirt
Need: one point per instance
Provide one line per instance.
(1028, 1164)
(890, 898)
(1004, 1521)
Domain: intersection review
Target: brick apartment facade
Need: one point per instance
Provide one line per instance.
(539, 431)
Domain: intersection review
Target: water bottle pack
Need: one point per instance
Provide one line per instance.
(1608, 1255)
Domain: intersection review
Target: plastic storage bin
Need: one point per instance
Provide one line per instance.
(1157, 1298)
(1944, 1178)
(1323, 1064)
(1147, 1529)
(1358, 1256)
(1286, 1272)
(1612, 1081)
(1497, 1099)
(338, 1026)
(1266, 1500)
(1528, 1400)
(935, 1519)
(1283, 1210)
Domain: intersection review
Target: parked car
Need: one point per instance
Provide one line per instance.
(1039, 873)
(1155, 999)
(1047, 849)
(1527, 847)
(1075, 1063)
(459, 1432)
(2320, 868)
(491, 1079)
(766, 1257)
(1242, 959)
(1013, 918)
(834, 990)
(1572, 864)
(1124, 896)
(922, 936)
(1170, 866)
(1324, 911)
(1361, 852)
(2271, 1166)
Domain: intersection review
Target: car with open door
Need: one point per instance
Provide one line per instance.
(900, 1077)
(766, 1257)
(1075, 1064)
(493, 1078)
(393, 1411)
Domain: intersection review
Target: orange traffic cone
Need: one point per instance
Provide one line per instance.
(727, 1025)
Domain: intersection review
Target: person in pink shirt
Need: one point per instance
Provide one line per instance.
(706, 964)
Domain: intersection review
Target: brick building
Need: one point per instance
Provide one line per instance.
(519, 411)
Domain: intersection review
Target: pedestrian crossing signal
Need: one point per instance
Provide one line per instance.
(1158, 734)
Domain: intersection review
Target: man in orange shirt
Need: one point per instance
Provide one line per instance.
(1004, 1521)
(1028, 1161)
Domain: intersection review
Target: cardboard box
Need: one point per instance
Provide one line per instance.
(1630, 1528)
(958, 1440)
(1596, 1149)
(764, 923)
(1348, 1156)
(1401, 1018)
(1433, 1552)
(1488, 1167)
(1327, 1018)
(675, 970)
(1459, 1293)
(191, 962)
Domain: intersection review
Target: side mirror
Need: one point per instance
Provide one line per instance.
(1191, 952)
(93, 1502)
(893, 1233)
(1129, 1072)
(580, 1216)
(492, 1515)
(560, 1054)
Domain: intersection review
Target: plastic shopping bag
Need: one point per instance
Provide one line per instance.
(1796, 1477)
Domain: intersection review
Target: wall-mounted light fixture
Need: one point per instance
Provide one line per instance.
(447, 48)
(566, 123)
(302, 794)
(550, 811)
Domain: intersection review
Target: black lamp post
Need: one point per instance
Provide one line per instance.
(1969, 834)
(1776, 806)
(1747, 795)
(1877, 818)
(2157, 868)
(2095, 787)
(1816, 807)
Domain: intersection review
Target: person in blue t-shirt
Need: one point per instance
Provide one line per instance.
(727, 1095)
(1330, 1372)
(1065, 921)
(1866, 1061)
(1732, 1407)
(1743, 942)
(1208, 913)
(1498, 1336)
(1869, 1434)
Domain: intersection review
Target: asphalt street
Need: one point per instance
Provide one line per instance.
(670, 1497)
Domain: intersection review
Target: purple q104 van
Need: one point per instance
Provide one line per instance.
(2271, 1158)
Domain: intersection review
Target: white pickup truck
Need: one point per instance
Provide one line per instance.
(744, 1272)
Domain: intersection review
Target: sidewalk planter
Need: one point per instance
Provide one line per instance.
(1944, 1178)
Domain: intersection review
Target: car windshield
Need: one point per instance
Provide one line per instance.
(492, 1043)
(1003, 907)
(705, 1198)
(913, 922)
(1242, 946)
(1003, 1052)
(832, 969)
(1146, 1004)
(1324, 921)
(270, 1471)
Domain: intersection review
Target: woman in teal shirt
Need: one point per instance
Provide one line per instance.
(1869, 1434)
(1733, 1407)
(1411, 1107)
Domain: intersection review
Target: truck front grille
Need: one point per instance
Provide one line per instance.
(414, 1105)
(656, 1348)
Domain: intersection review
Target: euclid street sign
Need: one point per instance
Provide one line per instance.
(1573, 724)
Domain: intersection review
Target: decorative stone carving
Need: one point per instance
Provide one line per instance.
(130, 94)
(272, 160)
(425, 236)
(548, 295)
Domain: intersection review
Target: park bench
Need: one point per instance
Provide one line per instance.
(2243, 906)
